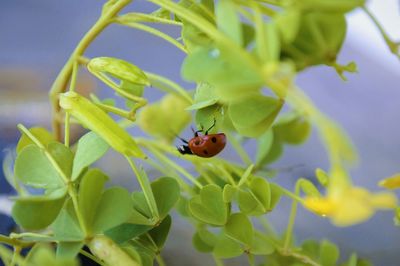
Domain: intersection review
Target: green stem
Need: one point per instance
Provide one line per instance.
(142, 17)
(25, 131)
(146, 188)
(93, 258)
(15, 242)
(61, 81)
(71, 190)
(218, 261)
(239, 149)
(155, 32)
(394, 47)
(250, 258)
(72, 193)
(292, 217)
(72, 86)
(174, 166)
(16, 253)
(160, 260)
(171, 87)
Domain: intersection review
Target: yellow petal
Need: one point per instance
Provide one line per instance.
(319, 205)
(384, 200)
(392, 182)
(353, 208)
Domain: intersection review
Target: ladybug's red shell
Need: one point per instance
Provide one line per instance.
(207, 145)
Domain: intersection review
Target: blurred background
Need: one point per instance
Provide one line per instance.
(37, 37)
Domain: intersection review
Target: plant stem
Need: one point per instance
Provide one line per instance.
(174, 166)
(90, 256)
(15, 242)
(61, 81)
(394, 47)
(146, 188)
(160, 260)
(239, 149)
(292, 217)
(72, 86)
(72, 193)
(171, 87)
(155, 32)
(17, 251)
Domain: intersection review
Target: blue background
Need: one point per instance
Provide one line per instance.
(37, 37)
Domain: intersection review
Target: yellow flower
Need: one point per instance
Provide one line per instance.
(350, 205)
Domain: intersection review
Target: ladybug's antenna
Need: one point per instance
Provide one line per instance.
(182, 139)
(213, 125)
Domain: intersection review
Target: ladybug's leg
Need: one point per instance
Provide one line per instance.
(213, 125)
(196, 133)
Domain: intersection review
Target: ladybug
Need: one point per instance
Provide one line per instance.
(207, 145)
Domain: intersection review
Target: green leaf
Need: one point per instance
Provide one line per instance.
(38, 212)
(261, 191)
(41, 134)
(292, 128)
(340, 6)
(206, 236)
(318, 41)
(227, 248)
(90, 191)
(267, 39)
(34, 169)
(138, 218)
(254, 114)
(329, 253)
(8, 169)
(91, 147)
(183, 207)
(228, 21)
(275, 151)
(62, 155)
(261, 244)
(209, 206)
(231, 77)
(257, 200)
(113, 209)
(68, 250)
(66, 226)
(308, 188)
(140, 205)
(159, 233)
(205, 117)
(264, 145)
(310, 248)
(126, 231)
(44, 255)
(201, 245)
(322, 177)
(288, 23)
(240, 228)
(229, 193)
(205, 96)
(170, 108)
(166, 192)
(118, 69)
(276, 193)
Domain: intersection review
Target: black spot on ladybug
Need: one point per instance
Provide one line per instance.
(214, 139)
(205, 152)
(197, 142)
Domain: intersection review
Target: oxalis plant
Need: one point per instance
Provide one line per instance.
(243, 56)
